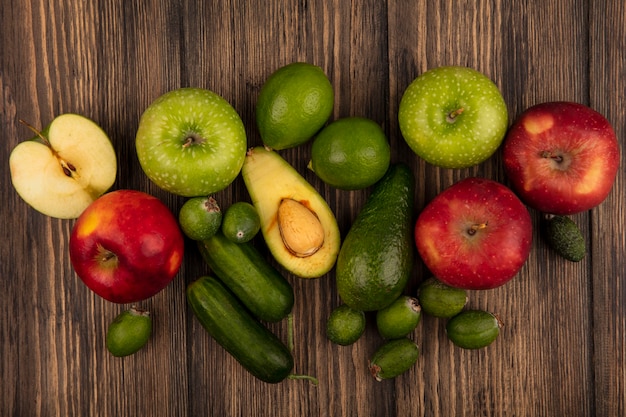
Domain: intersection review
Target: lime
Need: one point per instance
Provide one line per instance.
(241, 222)
(200, 218)
(129, 332)
(345, 325)
(350, 153)
(294, 103)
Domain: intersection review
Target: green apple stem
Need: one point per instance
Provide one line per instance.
(192, 139)
(68, 168)
(475, 228)
(451, 118)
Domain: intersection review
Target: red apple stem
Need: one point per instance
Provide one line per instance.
(475, 228)
(454, 114)
(551, 155)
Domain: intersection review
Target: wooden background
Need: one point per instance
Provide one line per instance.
(562, 350)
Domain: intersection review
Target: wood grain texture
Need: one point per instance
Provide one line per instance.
(563, 348)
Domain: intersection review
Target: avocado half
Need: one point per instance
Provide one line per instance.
(271, 181)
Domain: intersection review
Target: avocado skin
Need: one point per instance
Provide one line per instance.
(376, 258)
(564, 236)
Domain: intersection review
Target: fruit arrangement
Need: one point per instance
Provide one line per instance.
(126, 246)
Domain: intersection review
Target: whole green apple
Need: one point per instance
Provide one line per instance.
(453, 117)
(191, 142)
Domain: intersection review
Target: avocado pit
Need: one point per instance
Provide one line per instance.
(300, 229)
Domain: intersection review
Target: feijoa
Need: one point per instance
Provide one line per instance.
(393, 358)
(439, 299)
(129, 332)
(565, 237)
(400, 318)
(473, 329)
(200, 217)
(241, 222)
(345, 325)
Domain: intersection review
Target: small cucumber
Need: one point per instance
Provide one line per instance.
(564, 236)
(376, 257)
(257, 349)
(393, 358)
(399, 318)
(473, 329)
(345, 325)
(259, 286)
(441, 300)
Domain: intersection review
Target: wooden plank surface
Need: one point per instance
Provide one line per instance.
(562, 350)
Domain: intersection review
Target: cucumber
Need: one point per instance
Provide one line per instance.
(257, 349)
(257, 284)
(375, 260)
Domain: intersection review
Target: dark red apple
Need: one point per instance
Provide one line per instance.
(476, 234)
(561, 157)
(126, 246)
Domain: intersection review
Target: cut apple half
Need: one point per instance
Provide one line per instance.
(65, 167)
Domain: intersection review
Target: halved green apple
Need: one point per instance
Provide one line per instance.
(298, 226)
(65, 167)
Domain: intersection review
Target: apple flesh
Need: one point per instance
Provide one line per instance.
(126, 246)
(474, 235)
(561, 157)
(64, 168)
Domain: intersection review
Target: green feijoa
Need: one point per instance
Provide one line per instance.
(129, 332)
(399, 319)
(439, 299)
(473, 329)
(200, 217)
(565, 237)
(241, 222)
(345, 325)
(393, 358)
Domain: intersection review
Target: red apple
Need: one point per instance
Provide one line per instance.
(126, 246)
(475, 235)
(561, 157)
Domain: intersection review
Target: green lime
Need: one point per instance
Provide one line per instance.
(129, 332)
(399, 319)
(200, 218)
(345, 325)
(241, 222)
(294, 103)
(350, 153)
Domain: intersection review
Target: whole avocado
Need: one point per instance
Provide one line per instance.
(564, 236)
(375, 260)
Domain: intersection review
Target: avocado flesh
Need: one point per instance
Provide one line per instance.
(269, 180)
